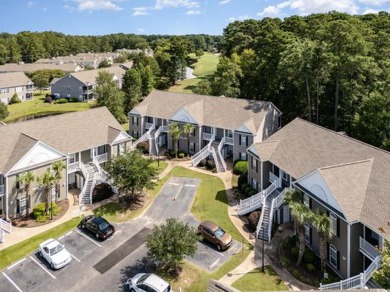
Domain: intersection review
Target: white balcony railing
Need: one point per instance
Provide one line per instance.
(5, 226)
(368, 249)
(229, 141)
(101, 157)
(1, 189)
(165, 129)
(73, 167)
(207, 136)
(148, 125)
(272, 177)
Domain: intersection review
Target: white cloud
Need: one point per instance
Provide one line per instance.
(305, 7)
(30, 4)
(369, 10)
(44, 9)
(160, 4)
(241, 18)
(140, 30)
(137, 11)
(222, 2)
(90, 5)
(193, 12)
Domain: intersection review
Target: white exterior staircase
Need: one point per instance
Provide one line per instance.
(5, 228)
(212, 148)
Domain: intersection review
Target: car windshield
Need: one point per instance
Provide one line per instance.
(103, 225)
(219, 232)
(56, 249)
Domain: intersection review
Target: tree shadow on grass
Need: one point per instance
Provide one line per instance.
(222, 196)
(127, 204)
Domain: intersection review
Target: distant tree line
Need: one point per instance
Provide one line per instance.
(332, 69)
(29, 46)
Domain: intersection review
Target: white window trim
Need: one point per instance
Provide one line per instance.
(241, 141)
(254, 184)
(333, 223)
(307, 233)
(306, 200)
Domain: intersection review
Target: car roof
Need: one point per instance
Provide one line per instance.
(156, 282)
(210, 225)
(50, 243)
(98, 220)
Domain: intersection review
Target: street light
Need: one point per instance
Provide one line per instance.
(51, 203)
(262, 258)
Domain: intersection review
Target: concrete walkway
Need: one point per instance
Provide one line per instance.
(254, 259)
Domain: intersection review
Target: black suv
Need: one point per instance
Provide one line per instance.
(98, 226)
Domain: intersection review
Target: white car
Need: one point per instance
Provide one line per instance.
(148, 282)
(54, 253)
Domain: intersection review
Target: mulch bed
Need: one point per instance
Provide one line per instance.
(29, 221)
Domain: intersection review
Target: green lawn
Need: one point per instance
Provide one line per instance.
(257, 281)
(37, 106)
(22, 249)
(203, 68)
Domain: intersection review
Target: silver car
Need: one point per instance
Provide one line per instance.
(148, 282)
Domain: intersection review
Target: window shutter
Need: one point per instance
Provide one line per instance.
(257, 166)
(239, 140)
(338, 227)
(338, 260)
(247, 140)
(310, 203)
(310, 235)
(327, 252)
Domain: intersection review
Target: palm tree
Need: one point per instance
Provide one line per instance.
(188, 129)
(175, 132)
(26, 179)
(46, 181)
(302, 214)
(57, 167)
(322, 223)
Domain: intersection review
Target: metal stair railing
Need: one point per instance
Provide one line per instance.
(280, 198)
(217, 164)
(156, 135)
(144, 137)
(203, 153)
(220, 146)
(5, 226)
(355, 282)
(84, 189)
(271, 217)
(261, 217)
(247, 204)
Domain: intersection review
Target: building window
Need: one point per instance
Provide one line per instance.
(307, 233)
(284, 176)
(333, 255)
(207, 130)
(243, 140)
(135, 134)
(192, 147)
(134, 121)
(306, 200)
(18, 182)
(333, 223)
(149, 120)
(254, 184)
(254, 164)
(73, 158)
(22, 205)
(242, 155)
(279, 122)
(68, 88)
(121, 148)
(229, 133)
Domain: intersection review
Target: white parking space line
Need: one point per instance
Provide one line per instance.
(12, 282)
(59, 238)
(74, 257)
(70, 232)
(190, 186)
(88, 238)
(17, 263)
(218, 252)
(174, 184)
(213, 264)
(178, 192)
(39, 264)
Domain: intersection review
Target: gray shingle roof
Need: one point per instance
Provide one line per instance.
(221, 112)
(32, 67)
(361, 188)
(13, 79)
(91, 75)
(67, 133)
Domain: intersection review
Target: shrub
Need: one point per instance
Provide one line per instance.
(202, 163)
(181, 152)
(296, 274)
(61, 100)
(181, 155)
(242, 179)
(210, 164)
(14, 99)
(143, 146)
(252, 192)
(74, 99)
(243, 187)
(294, 251)
(253, 219)
(310, 268)
(240, 167)
(285, 262)
(247, 190)
(40, 214)
(309, 256)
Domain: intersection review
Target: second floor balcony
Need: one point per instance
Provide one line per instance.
(207, 136)
(101, 157)
(272, 177)
(368, 249)
(1, 190)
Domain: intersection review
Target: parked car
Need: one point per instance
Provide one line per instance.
(98, 226)
(54, 253)
(215, 234)
(147, 282)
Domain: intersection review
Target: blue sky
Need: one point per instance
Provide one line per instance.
(99, 17)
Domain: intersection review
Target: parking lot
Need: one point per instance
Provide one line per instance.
(96, 264)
